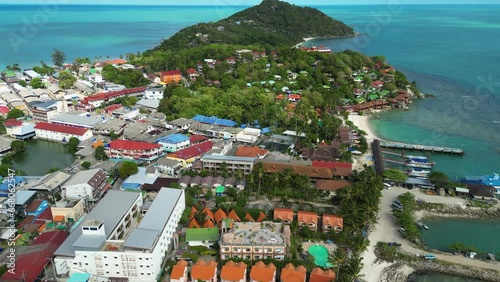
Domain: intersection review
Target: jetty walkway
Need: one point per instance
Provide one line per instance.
(413, 147)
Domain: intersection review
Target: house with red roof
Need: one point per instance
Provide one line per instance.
(291, 274)
(18, 129)
(339, 169)
(192, 74)
(204, 271)
(112, 108)
(133, 150)
(173, 76)
(261, 272)
(61, 133)
(308, 219)
(4, 110)
(96, 100)
(31, 265)
(179, 272)
(377, 84)
(234, 272)
(320, 275)
(331, 222)
(231, 60)
(284, 215)
(189, 155)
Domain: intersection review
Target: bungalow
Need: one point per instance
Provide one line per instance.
(331, 222)
(261, 272)
(173, 76)
(233, 216)
(308, 219)
(377, 84)
(291, 274)
(219, 216)
(234, 272)
(230, 182)
(231, 60)
(204, 271)
(284, 215)
(481, 192)
(218, 181)
(202, 236)
(188, 155)
(192, 74)
(179, 272)
(320, 275)
(154, 78)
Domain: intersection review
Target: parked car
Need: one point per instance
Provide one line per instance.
(394, 244)
(401, 230)
(396, 206)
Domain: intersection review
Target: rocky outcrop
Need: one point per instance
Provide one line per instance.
(458, 211)
(455, 270)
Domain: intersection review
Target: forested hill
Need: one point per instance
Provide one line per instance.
(273, 22)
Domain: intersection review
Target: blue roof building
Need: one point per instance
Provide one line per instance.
(143, 176)
(174, 142)
(214, 120)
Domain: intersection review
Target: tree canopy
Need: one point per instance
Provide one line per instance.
(58, 57)
(66, 80)
(127, 169)
(100, 154)
(129, 77)
(15, 114)
(37, 83)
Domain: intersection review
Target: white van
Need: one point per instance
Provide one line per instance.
(387, 186)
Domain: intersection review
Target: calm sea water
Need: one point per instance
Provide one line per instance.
(450, 52)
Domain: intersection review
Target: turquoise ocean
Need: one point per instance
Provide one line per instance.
(450, 50)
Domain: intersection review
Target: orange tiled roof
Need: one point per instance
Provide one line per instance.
(178, 269)
(262, 216)
(249, 217)
(252, 152)
(233, 271)
(291, 274)
(208, 213)
(320, 275)
(232, 215)
(332, 220)
(219, 215)
(315, 172)
(262, 272)
(307, 217)
(208, 224)
(283, 214)
(203, 270)
(193, 224)
(194, 211)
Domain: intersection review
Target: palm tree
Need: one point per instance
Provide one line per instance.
(240, 174)
(287, 177)
(338, 258)
(258, 170)
(275, 179)
(354, 268)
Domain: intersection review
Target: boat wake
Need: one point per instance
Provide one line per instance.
(496, 121)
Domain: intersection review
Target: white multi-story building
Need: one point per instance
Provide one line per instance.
(87, 184)
(174, 142)
(110, 245)
(154, 94)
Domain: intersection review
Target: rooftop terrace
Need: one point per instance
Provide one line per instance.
(254, 233)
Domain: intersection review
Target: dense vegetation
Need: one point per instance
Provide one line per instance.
(274, 22)
(129, 77)
(406, 216)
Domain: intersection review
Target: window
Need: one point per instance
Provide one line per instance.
(85, 256)
(86, 263)
(116, 257)
(105, 264)
(116, 264)
(107, 272)
(140, 258)
(105, 257)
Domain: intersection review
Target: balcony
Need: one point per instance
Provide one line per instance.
(225, 250)
(257, 250)
(268, 251)
(247, 250)
(236, 250)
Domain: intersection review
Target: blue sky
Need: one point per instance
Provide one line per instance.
(247, 2)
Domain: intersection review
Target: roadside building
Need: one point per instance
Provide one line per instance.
(174, 142)
(169, 77)
(61, 133)
(19, 130)
(154, 94)
(88, 184)
(132, 150)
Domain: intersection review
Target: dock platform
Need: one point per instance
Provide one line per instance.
(436, 149)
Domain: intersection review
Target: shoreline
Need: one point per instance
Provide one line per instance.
(363, 123)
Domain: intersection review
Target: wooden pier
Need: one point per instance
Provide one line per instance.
(436, 149)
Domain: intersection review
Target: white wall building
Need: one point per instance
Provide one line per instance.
(61, 133)
(86, 184)
(108, 245)
(154, 94)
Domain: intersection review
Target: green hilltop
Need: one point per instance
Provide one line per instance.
(272, 22)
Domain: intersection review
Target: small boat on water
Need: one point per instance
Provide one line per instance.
(429, 257)
(418, 172)
(419, 165)
(422, 225)
(416, 157)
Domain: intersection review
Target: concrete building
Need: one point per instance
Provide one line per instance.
(154, 94)
(88, 184)
(202, 236)
(255, 240)
(19, 130)
(174, 142)
(232, 163)
(168, 166)
(132, 150)
(61, 133)
(110, 125)
(46, 110)
(68, 211)
(49, 185)
(109, 244)
(77, 120)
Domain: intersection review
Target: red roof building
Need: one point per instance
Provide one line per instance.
(97, 99)
(126, 149)
(12, 123)
(338, 168)
(195, 139)
(173, 76)
(31, 264)
(4, 110)
(112, 108)
(70, 130)
(193, 151)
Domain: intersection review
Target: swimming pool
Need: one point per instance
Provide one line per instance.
(320, 254)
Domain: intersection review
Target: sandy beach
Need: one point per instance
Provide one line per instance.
(362, 123)
(305, 40)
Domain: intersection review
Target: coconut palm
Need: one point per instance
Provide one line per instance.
(338, 258)
(354, 268)
(258, 171)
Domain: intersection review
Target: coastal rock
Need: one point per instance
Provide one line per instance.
(458, 211)
(456, 270)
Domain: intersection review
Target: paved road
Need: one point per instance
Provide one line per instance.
(386, 230)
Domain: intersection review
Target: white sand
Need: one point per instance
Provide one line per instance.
(362, 123)
(305, 40)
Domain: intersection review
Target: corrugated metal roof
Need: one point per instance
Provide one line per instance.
(155, 219)
(110, 210)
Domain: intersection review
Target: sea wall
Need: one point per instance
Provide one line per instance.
(458, 211)
(455, 270)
